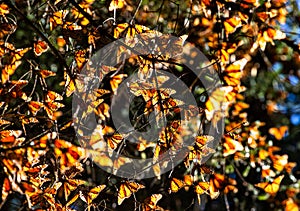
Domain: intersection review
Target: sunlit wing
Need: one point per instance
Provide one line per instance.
(176, 185)
(92, 194)
(271, 187)
(40, 47)
(127, 189)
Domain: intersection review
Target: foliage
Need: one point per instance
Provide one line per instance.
(254, 48)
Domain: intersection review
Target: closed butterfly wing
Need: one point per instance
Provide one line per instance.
(217, 102)
(6, 188)
(202, 187)
(70, 185)
(103, 111)
(203, 140)
(127, 189)
(231, 146)
(232, 24)
(52, 96)
(176, 185)
(92, 194)
(150, 203)
(115, 81)
(116, 4)
(40, 47)
(46, 73)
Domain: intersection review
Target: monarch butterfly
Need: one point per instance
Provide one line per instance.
(70, 185)
(73, 170)
(202, 187)
(69, 85)
(92, 194)
(6, 188)
(101, 92)
(145, 67)
(115, 81)
(46, 73)
(61, 42)
(73, 28)
(114, 140)
(107, 69)
(233, 72)
(69, 154)
(8, 26)
(238, 107)
(273, 34)
(291, 205)
(72, 84)
(127, 189)
(201, 149)
(231, 146)
(44, 196)
(3, 121)
(92, 107)
(28, 189)
(249, 3)
(116, 4)
(213, 191)
(232, 24)
(203, 140)
(35, 106)
(289, 167)
(188, 179)
(263, 154)
(129, 29)
(176, 185)
(195, 156)
(267, 172)
(66, 207)
(150, 203)
(279, 133)
(40, 47)
(204, 169)
(267, 35)
(143, 144)
(50, 105)
(220, 182)
(80, 58)
(4, 9)
(279, 161)
(57, 18)
(217, 103)
(9, 136)
(102, 111)
(271, 187)
(15, 62)
(34, 171)
(171, 103)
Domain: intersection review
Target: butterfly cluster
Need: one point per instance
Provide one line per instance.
(46, 156)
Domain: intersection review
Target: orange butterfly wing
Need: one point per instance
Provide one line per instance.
(202, 187)
(115, 81)
(40, 47)
(271, 187)
(92, 194)
(127, 189)
(150, 203)
(176, 185)
(280, 132)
